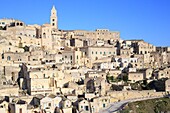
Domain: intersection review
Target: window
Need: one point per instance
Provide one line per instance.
(17, 24)
(71, 57)
(53, 20)
(49, 104)
(77, 57)
(104, 105)
(8, 58)
(96, 52)
(2, 56)
(21, 24)
(86, 108)
(109, 52)
(92, 52)
(100, 52)
(65, 56)
(104, 53)
(20, 110)
(96, 58)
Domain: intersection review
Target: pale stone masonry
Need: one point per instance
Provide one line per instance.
(46, 69)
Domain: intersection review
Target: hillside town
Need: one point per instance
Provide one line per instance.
(44, 69)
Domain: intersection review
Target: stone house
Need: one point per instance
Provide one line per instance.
(18, 107)
(135, 76)
(4, 107)
(167, 86)
(66, 105)
(163, 73)
(147, 73)
(115, 73)
(99, 103)
(84, 106)
(97, 52)
(50, 103)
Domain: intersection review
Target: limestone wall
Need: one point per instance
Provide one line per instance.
(9, 91)
(122, 95)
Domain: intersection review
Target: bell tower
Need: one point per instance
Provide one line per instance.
(53, 18)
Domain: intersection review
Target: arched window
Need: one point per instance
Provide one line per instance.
(21, 24)
(44, 35)
(13, 76)
(8, 58)
(17, 24)
(2, 55)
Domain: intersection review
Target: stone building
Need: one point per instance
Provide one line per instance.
(84, 106)
(99, 103)
(164, 73)
(167, 86)
(141, 47)
(97, 52)
(103, 34)
(135, 76)
(50, 103)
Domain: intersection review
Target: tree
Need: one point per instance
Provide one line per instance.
(109, 78)
(125, 78)
(158, 85)
(136, 86)
(116, 87)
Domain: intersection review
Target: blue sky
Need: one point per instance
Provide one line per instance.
(135, 19)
